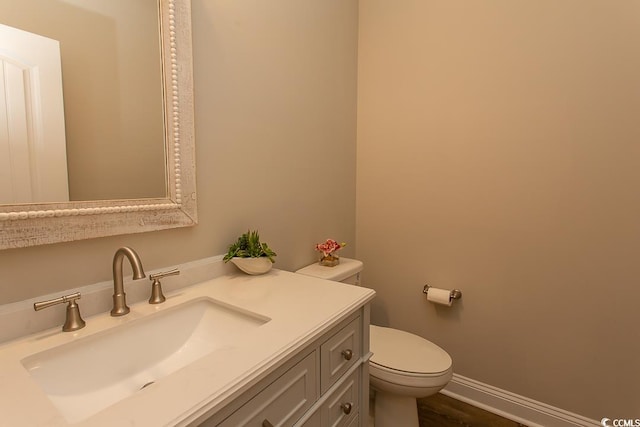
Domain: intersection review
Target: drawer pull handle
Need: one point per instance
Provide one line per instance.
(347, 354)
(346, 408)
(266, 423)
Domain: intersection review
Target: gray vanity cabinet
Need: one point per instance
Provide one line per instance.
(324, 384)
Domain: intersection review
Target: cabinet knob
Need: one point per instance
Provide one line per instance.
(347, 354)
(266, 423)
(346, 408)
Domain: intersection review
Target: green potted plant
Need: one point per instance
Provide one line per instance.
(250, 255)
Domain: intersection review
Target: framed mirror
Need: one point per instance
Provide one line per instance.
(171, 201)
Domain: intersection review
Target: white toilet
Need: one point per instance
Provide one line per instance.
(403, 367)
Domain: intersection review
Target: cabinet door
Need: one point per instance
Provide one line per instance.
(339, 353)
(283, 401)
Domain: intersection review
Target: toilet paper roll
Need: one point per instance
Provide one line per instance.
(439, 296)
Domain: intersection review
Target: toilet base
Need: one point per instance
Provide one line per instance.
(393, 410)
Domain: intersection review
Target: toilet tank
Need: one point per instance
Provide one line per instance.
(348, 271)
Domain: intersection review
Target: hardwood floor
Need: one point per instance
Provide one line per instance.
(442, 411)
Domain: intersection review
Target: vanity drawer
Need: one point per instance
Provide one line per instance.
(339, 353)
(356, 421)
(343, 404)
(342, 407)
(283, 401)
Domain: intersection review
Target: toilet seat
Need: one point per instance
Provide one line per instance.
(419, 363)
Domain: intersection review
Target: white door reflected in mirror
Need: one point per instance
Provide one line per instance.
(32, 168)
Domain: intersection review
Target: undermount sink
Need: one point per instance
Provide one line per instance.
(83, 377)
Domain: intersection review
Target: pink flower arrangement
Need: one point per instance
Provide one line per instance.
(329, 247)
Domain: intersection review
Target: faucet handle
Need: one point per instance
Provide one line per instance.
(157, 296)
(73, 321)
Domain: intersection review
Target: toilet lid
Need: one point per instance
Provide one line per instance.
(403, 351)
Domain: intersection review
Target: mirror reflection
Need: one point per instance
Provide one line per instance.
(112, 98)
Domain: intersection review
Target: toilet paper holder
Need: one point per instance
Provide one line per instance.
(454, 294)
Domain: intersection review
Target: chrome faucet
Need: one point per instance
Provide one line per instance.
(120, 307)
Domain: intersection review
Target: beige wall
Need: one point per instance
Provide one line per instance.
(498, 153)
(122, 44)
(275, 135)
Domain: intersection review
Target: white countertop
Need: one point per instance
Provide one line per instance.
(301, 308)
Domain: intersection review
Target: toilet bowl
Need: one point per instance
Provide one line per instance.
(403, 367)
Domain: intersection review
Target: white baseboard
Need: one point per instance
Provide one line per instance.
(512, 406)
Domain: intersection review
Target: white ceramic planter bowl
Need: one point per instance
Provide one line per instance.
(253, 266)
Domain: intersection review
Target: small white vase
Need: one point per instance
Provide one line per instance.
(253, 266)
